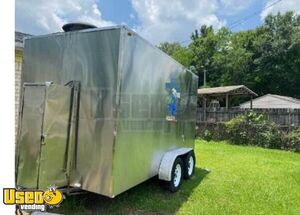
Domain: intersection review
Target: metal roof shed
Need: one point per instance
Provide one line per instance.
(237, 90)
(271, 101)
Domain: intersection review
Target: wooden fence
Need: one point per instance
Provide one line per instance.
(282, 117)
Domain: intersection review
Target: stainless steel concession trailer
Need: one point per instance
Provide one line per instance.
(102, 110)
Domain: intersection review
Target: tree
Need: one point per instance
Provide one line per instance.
(277, 61)
(203, 47)
(182, 54)
(266, 59)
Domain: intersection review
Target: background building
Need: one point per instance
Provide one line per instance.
(270, 101)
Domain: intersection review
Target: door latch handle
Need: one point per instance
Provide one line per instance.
(43, 139)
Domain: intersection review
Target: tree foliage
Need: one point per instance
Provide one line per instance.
(266, 59)
(179, 53)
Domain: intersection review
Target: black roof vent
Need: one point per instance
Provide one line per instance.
(77, 26)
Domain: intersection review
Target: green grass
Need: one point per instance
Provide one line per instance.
(229, 179)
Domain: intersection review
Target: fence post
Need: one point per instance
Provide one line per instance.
(227, 102)
(204, 108)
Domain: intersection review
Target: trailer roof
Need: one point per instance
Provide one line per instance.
(28, 37)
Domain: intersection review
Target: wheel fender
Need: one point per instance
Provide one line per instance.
(166, 164)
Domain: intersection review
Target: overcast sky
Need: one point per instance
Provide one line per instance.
(156, 20)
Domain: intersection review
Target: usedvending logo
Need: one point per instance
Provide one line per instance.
(33, 199)
(174, 96)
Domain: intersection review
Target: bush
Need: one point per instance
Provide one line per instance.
(207, 135)
(212, 131)
(253, 129)
(292, 141)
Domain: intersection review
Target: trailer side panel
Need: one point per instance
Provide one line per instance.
(148, 77)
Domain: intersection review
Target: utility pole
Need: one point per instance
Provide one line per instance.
(204, 78)
(204, 71)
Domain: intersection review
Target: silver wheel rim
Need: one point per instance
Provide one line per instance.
(177, 175)
(191, 165)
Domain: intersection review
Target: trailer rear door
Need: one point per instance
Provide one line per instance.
(44, 136)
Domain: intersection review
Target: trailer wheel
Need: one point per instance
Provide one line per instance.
(176, 175)
(189, 165)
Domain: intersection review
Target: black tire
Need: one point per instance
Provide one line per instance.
(172, 185)
(187, 174)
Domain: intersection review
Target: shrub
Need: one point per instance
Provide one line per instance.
(253, 129)
(212, 131)
(207, 135)
(292, 141)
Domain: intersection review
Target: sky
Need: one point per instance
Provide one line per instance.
(155, 20)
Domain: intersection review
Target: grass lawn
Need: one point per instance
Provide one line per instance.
(229, 180)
